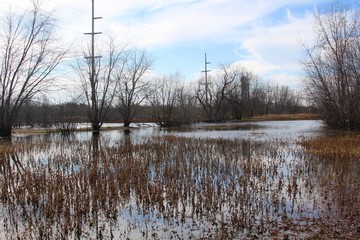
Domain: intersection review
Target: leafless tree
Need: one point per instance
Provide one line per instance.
(205, 94)
(133, 87)
(100, 90)
(281, 96)
(29, 53)
(66, 117)
(172, 102)
(239, 94)
(332, 66)
(256, 102)
(163, 100)
(268, 98)
(186, 109)
(214, 93)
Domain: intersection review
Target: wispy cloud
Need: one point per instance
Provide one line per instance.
(264, 34)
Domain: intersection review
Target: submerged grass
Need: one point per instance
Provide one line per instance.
(174, 187)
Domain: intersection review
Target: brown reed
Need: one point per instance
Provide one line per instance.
(168, 186)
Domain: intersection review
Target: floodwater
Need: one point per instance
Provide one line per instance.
(206, 181)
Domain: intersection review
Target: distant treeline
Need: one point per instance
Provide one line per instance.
(184, 109)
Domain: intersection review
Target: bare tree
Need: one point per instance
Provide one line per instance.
(185, 106)
(29, 53)
(239, 94)
(269, 97)
(281, 96)
(133, 88)
(163, 100)
(214, 93)
(205, 94)
(100, 90)
(172, 102)
(332, 66)
(257, 98)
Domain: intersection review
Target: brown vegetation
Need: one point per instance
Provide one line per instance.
(165, 187)
(285, 117)
(340, 147)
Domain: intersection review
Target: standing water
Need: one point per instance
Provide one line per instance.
(208, 181)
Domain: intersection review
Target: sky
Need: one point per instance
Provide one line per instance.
(262, 36)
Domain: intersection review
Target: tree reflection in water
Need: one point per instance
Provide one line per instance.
(167, 186)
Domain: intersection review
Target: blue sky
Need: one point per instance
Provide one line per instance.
(260, 35)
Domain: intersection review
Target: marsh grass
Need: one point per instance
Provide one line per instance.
(284, 117)
(339, 147)
(174, 187)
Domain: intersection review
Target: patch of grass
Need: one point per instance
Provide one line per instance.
(4, 145)
(224, 127)
(347, 146)
(284, 117)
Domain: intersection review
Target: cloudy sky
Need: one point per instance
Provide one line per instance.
(261, 35)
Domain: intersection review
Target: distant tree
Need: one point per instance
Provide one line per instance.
(268, 98)
(281, 96)
(29, 53)
(163, 100)
(66, 118)
(133, 88)
(212, 93)
(186, 102)
(286, 100)
(205, 94)
(332, 67)
(257, 98)
(239, 93)
(100, 90)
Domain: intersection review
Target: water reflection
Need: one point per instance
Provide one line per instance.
(169, 186)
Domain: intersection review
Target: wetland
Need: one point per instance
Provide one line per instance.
(259, 180)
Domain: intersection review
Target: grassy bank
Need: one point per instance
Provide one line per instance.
(338, 147)
(284, 117)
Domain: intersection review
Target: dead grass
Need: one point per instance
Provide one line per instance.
(175, 187)
(284, 117)
(227, 126)
(339, 147)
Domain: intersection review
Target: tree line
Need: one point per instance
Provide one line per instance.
(116, 87)
(168, 102)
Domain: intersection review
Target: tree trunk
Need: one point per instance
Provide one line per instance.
(95, 126)
(5, 130)
(127, 123)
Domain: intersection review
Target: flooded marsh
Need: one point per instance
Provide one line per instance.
(245, 183)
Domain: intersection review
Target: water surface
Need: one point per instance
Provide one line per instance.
(212, 181)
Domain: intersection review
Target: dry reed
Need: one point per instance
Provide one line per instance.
(174, 187)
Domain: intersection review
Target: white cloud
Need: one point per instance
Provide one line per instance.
(267, 48)
(187, 21)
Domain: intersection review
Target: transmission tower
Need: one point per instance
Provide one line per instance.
(93, 80)
(206, 79)
(93, 33)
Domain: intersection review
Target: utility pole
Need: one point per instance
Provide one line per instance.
(206, 69)
(93, 80)
(206, 80)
